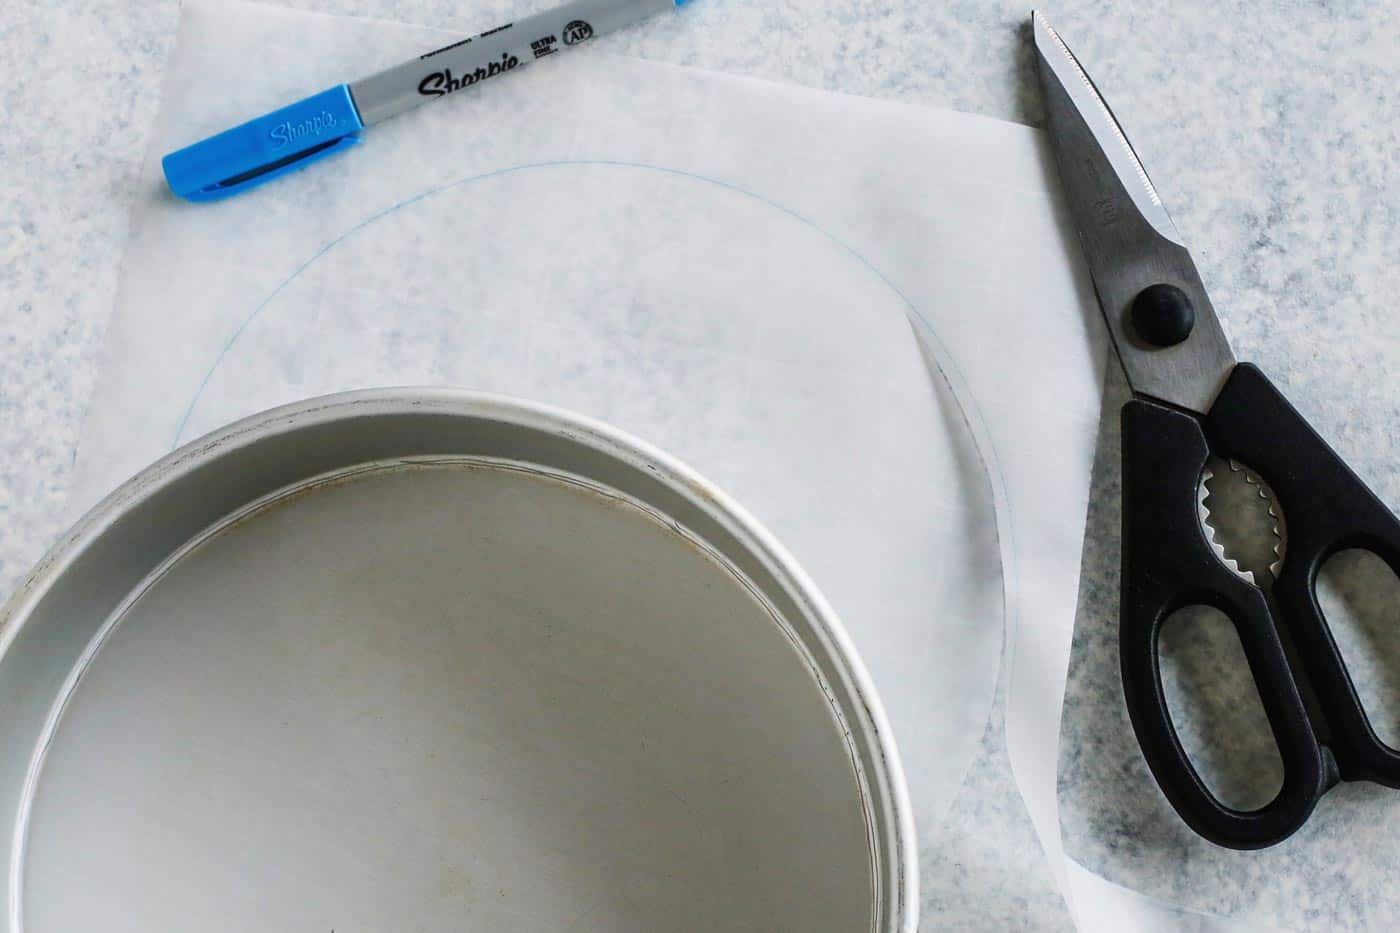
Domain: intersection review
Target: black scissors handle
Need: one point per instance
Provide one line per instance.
(1168, 565)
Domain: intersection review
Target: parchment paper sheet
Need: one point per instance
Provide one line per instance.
(724, 267)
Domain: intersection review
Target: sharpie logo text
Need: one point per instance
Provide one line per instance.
(444, 82)
(289, 132)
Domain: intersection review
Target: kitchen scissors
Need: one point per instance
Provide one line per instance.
(1192, 399)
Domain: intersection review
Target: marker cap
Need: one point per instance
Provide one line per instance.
(263, 148)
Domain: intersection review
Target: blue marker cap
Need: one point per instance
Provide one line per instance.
(266, 147)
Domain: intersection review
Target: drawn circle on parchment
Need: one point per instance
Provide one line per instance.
(530, 281)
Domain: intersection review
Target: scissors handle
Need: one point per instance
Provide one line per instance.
(1328, 509)
(1168, 565)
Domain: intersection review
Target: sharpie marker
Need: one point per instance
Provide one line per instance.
(297, 135)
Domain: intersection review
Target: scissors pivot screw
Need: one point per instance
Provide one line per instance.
(1163, 315)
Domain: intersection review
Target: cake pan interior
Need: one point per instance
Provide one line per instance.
(429, 691)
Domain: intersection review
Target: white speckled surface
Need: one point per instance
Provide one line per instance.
(1272, 128)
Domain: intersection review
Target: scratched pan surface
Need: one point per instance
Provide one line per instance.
(430, 661)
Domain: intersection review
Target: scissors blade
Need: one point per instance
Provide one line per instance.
(1129, 240)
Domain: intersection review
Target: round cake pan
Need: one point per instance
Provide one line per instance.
(426, 660)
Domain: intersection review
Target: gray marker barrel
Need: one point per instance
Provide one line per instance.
(492, 53)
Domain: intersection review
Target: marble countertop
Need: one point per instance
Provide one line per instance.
(1272, 129)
